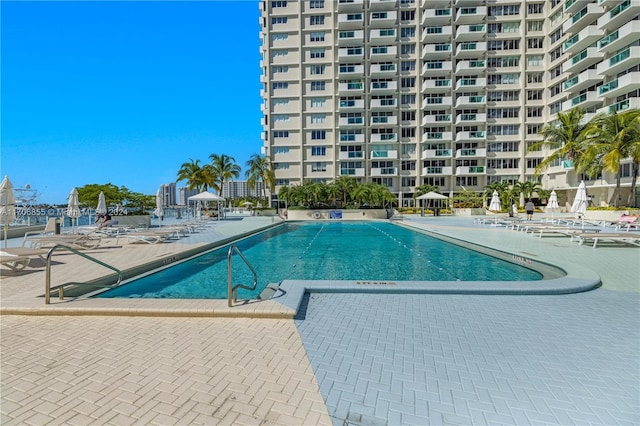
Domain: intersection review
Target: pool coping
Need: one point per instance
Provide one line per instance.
(287, 301)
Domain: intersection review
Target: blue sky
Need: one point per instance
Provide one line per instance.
(125, 92)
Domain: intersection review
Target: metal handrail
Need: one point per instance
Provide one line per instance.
(231, 289)
(47, 288)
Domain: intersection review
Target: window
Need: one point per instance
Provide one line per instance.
(555, 72)
(506, 10)
(280, 150)
(532, 163)
(535, 26)
(281, 166)
(318, 118)
(503, 112)
(407, 15)
(533, 129)
(282, 3)
(280, 133)
(409, 32)
(534, 60)
(279, 69)
(534, 112)
(555, 90)
(408, 49)
(318, 135)
(408, 99)
(534, 77)
(466, 181)
(535, 43)
(280, 117)
(318, 102)
(316, 4)
(509, 129)
(317, 70)
(503, 163)
(408, 65)
(280, 85)
(408, 165)
(535, 8)
(408, 116)
(555, 54)
(408, 149)
(555, 36)
(282, 182)
(318, 85)
(503, 147)
(319, 166)
(316, 36)
(408, 132)
(316, 20)
(318, 151)
(408, 181)
(534, 95)
(280, 102)
(277, 53)
(279, 37)
(278, 20)
(506, 95)
(408, 82)
(316, 53)
(379, 15)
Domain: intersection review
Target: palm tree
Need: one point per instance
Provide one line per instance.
(611, 138)
(259, 170)
(527, 188)
(565, 135)
(192, 173)
(345, 185)
(224, 168)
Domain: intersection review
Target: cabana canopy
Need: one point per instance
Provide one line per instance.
(206, 196)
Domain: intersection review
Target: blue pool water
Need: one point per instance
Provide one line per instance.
(325, 251)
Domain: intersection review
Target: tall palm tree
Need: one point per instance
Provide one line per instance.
(565, 134)
(612, 137)
(346, 185)
(192, 173)
(224, 168)
(259, 170)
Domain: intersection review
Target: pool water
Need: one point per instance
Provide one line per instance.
(325, 251)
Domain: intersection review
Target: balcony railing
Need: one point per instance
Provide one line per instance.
(608, 39)
(580, 56)
(619, 8)
(578, 99)
(433, 135)
(620, 57)
(571, 82)
(620, 106)
(570, 42)
(606, 87)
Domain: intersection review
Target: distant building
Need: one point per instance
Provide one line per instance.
(168, 192)
(240, 189)
(183, 195)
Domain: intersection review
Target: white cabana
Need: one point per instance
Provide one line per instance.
(434, 200)
(206, 197)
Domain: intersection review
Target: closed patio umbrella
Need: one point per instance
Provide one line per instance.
(494, 206)
(102, 204)
(7, 206)
(553, 203)
(579, 205)
(159, 211)
(73, 207)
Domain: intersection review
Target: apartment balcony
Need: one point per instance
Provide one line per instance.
(392, 120)
(581, 81)
(469, 119)
(582, 60)
(471, 84)
(357, 172)
(351, 155)
(441, 16)
(471, 49)
(621, 85)
(436, 50)
(351, 105)
(625, 11)
(582, 40)
(434, 3)
(383, 4)
(353, 21)
(471, 101)
(350, 5)
(383, 53)
(631, 103)
(470, 170)
(471, 15)
(620, 38)
(625, 59)
(383, 137)
(438, 170)
(436, 119)
(350, 70)
(471, 153)
(383, 36)
(351, 38)
(383, 103)
(351, 121)
(436, 153)
(473, 136)
(378, 87)
(584, 101)
(384, 171)
(435, 68)
(381, 70)
(351, 138)
(583, 17)
(471, 67)
(383, 19)
(436, 103)
(437, 34)
(350, 88)
(346, 54)
(442, 85)
(436, 136)
(470, 32)
(573, 6)
(384, 154)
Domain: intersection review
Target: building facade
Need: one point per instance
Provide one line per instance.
(183, 195)
(168, 194)
(448, 93)
(235, 190)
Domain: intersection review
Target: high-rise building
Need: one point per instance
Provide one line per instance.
(183, 195)
(168, 193)
(240, 189)
(450, 93)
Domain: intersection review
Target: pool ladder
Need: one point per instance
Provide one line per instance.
(232, 290)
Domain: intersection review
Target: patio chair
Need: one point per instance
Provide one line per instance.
(18, 258)
(76, 241)
(49, 229)
(615, 237)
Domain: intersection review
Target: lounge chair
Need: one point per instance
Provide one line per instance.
(150, 236)
(49, 229)
(622, 237)
(77, 241)
(18, 258)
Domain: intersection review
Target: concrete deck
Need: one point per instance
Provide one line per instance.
(353, 358)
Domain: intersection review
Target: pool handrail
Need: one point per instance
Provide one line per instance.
(231, 289)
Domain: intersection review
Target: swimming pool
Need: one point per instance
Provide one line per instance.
(325, 251)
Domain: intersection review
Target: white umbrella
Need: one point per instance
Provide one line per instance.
(73, 208)
(580, 202)
(494, 206)
(159, 211)
(552, 204)
(7, 206)
(102, 204)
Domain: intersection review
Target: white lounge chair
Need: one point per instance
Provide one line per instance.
(18, 258)
(622, 237)
(77, 241)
